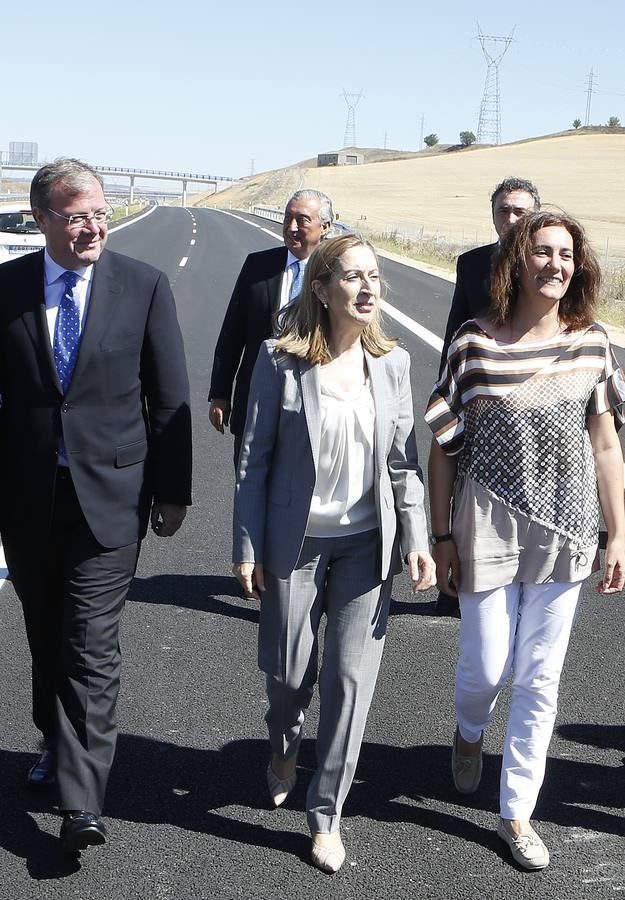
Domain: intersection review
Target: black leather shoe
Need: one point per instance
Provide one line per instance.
(446, 605)
(81, 829)
(43, 773)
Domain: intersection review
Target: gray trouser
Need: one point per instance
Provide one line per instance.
(339, 577)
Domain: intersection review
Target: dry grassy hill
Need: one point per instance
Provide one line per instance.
(447, 194)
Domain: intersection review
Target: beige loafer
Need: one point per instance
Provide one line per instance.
(466, 770)
(527, 849)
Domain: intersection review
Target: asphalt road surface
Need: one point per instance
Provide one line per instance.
(187, 808)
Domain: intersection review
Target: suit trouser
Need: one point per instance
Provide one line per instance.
(73, 592)
(522, 629)
(341, 578)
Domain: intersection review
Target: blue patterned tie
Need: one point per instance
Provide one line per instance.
(298, 278)
(67, 331)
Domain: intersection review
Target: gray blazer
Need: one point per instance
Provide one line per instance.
(280, 454)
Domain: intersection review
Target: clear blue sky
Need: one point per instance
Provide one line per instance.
(207, 87)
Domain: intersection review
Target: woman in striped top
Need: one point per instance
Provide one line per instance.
(523, 425)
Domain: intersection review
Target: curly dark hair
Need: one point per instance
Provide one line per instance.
(577, 307)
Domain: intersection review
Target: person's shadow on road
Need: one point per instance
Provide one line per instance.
(199, 790)
(222, 595)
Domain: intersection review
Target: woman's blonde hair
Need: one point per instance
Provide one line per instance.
(304, 327)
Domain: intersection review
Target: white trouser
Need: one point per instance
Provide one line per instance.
(525, 629)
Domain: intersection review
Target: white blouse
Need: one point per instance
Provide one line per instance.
(343, 499)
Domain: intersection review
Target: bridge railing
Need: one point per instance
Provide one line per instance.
(191, 176)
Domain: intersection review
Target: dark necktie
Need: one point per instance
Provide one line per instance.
(67, 331)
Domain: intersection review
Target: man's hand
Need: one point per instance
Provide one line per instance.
(251, 578)
(219, 414)
(167, 518)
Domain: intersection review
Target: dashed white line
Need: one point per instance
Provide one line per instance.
(183, 262)
(192, 242)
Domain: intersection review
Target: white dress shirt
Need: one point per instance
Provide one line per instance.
(54, 288)
(287, 278)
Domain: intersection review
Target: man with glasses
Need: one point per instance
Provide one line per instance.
(268, 281)
(95, 441)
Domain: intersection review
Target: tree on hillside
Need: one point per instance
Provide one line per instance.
(577, 123)
(614, 122)
(430, 140)
(467, 138)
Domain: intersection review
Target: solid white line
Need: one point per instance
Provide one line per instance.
(3, 567)
(183, 261)
(423, 333)
(428, 336)
(133, 221)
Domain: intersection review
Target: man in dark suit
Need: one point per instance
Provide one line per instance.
(268, 281)
(95, 439)
(512, 199)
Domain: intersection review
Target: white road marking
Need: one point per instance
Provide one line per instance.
(192, 242)
(3, 567)
(423, 333)
(183, 262)
(132, 221)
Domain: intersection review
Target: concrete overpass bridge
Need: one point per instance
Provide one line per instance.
(155, 174)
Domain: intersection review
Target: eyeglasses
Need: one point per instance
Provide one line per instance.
(79, 221)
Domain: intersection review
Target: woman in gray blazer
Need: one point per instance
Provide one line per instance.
(329, 498)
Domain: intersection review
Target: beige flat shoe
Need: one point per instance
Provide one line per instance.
(466, 770)
(280, 788)
(527, 849)
(328, 858)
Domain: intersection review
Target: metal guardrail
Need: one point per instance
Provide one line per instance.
(268, 212)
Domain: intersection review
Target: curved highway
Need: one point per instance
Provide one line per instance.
(186, 807)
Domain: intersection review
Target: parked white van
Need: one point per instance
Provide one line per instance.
(19, 233)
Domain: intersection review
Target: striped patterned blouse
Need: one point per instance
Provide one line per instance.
(515, 415)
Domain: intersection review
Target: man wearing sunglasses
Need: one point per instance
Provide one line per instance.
(95, 441)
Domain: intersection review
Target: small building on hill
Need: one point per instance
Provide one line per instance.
(340, 158)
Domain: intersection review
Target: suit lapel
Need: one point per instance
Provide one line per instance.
(105, 292)
(311, 401)
(378, 378)
(274, 281)
(35, 319)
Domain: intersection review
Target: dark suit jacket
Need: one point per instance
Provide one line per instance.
(472, 294)
(247, 323)
(126, 417)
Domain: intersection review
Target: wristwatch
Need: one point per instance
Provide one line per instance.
(440, 538)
